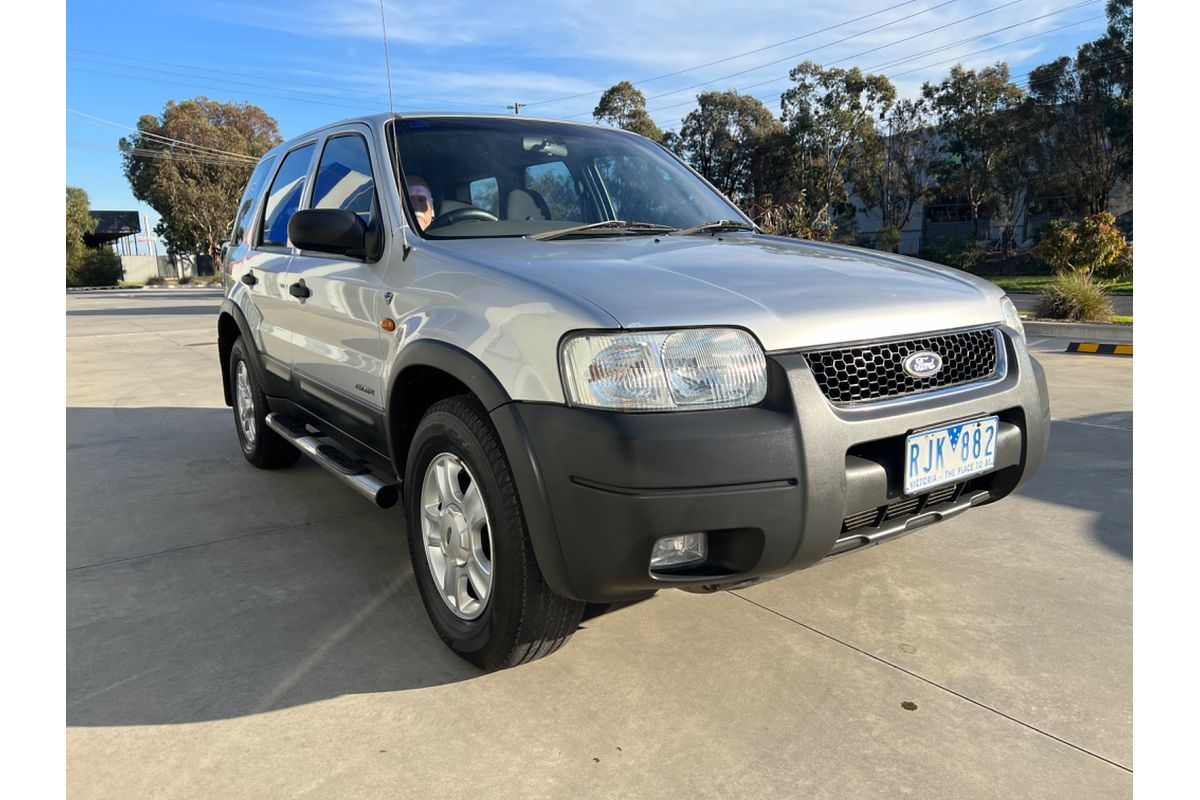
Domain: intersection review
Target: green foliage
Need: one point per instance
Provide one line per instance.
(793, 219)
(196, 195)
(99, 267)
(724, 138)
(958, 252)
(831, 115)
(624, 106)
(1075, 297)
(889, 239)
(894, 172)
(987, 140)
(79, 224)
(1093, 247)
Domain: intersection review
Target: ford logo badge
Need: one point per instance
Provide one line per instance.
(923, 364)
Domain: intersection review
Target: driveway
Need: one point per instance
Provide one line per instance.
(238, 633)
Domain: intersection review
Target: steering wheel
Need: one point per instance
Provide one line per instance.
(462, 214)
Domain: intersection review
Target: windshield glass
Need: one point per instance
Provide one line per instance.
(513, 177)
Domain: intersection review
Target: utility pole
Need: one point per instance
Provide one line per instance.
(516, 107)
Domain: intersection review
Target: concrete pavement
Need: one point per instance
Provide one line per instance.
(239, 633)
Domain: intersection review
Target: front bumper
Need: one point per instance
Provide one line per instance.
(773, 485)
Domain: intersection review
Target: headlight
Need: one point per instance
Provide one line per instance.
(664, 370)
(1011, 317)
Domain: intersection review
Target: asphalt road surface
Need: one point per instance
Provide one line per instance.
(236, 633)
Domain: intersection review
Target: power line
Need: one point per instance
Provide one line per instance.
(212, 88)
(1013, 79)
(907, 58)
(1005, 44)
(729, 58)
(168, 139)
(163, 155)
(213, 71)
(856, 55)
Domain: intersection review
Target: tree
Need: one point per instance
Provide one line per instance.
(831, 115)
(195, 190)
(79, 224)
(624, 106)
(1093, 247)
(894, 172)
(1086, 105)
(722, 137)
(969, 106)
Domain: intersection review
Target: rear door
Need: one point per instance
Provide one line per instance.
(265, 268)
(338, 348)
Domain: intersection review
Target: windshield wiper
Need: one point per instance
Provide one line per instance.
(714, 226)
(640, 227)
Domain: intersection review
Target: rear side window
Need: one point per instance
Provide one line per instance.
(284, 197)
(344, 177)
(253, 189)
(485, 194)
(553, 182)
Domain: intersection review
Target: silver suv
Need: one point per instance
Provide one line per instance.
(589, 376)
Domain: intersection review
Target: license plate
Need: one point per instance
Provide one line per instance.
(949, 453)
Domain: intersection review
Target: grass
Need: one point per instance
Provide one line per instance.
(1039, 283)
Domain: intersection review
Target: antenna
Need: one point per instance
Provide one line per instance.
(395, 148)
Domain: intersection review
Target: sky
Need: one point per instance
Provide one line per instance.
(309, 63)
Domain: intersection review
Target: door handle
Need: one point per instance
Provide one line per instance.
(249, 279)
(298, 289)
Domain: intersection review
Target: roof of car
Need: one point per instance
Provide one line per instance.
(376, 120)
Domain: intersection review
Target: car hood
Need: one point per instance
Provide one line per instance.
(789, 293)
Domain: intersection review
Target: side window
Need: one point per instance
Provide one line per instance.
(253, 188)
(344, 178)
(556, 186)
(485, 194)
(643, 191)
(284, 197)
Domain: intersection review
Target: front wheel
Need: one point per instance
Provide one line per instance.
(471, 554)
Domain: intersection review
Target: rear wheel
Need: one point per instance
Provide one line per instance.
(471, 555)
(261, 446)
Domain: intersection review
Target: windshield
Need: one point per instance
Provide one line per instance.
(513, 177)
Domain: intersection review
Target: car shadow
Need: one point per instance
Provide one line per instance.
(1089, 473)
(200, 588)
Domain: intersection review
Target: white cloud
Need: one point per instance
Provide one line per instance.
(537, 50)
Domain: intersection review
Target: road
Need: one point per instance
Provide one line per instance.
(235, 633)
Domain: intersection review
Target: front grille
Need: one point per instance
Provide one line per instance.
(906, 507)
(876, 371)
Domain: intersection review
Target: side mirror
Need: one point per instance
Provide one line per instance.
(330, 230)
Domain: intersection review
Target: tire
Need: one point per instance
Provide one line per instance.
(261, 446)
(516, 617)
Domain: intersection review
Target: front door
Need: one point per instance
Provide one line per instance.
(338, 349)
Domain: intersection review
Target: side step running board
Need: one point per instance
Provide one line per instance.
(352, 472)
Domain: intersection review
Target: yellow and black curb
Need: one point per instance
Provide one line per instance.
(1100, 349)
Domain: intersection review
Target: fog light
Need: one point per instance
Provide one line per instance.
(674, 551)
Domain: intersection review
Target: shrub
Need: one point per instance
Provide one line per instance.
(154, 280)
(791, 219)
(889, 239)
(1075, 297)
(184, 280)
(960, 253)
(1092, 246)
(101, 267)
